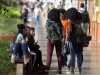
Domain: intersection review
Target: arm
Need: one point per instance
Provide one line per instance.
(89, 21)
(67, 36)
(33, 13)
(70, 27)
(40, 11)
(46, 28)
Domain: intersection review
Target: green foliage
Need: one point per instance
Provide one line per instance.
(10, 12)
(5, 61)
(9, 25)
(14, 12)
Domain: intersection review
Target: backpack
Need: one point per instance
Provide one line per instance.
(86, 40)
(77, 33)
(85, 17)
(11, 47)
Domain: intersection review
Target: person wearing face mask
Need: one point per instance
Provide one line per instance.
(50, 7)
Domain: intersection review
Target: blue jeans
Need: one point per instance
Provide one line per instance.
(72, 53)
(36, 19)
(69, 64)
(64, 60)
(64, 63)
(85, 25)
(20, 50)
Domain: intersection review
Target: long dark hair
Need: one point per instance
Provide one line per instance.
(72, 14)
(54, 15)
(20, 28)
(31, 39)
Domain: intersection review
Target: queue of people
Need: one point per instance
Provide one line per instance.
(60, 28)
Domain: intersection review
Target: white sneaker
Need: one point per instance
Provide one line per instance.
(13, 61)
(25, 62)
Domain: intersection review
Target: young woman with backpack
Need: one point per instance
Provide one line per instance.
(75, 47)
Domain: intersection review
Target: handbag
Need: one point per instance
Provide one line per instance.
(65, 48)
(86, 40)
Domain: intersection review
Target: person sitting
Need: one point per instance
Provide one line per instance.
(34, 48)
(20, 46)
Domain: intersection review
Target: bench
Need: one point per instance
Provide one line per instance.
(21, 65)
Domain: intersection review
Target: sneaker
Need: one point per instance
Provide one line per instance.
(13, 61)
(67, 69)
(79, 72)
(44, 72)
(70, 72)
(59, 72)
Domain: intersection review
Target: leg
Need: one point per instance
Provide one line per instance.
(85, 25)
(37, 19)
(16, 48)
(72, 53)
(25, 50)
(64, 61)
(58, 52)
(78, 60)
(81, 59)
(40, 58)
(69, 63)
(50, 46)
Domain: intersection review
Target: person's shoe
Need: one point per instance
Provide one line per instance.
(79, 72)
(12, 61)
(70, 72)
(25, 62)
(44, 72)
(67, 69)
(59, 72)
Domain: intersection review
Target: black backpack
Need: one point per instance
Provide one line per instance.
(85, 17)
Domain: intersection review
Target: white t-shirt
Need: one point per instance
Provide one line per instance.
(37, 11)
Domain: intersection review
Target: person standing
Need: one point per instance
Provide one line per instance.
(66, 27)
(54, 30)
(85, 17)
(60, 6)
(50, 7)
(76, 48)
(36, 13)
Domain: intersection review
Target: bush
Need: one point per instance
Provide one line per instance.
(10, 12)
(9, 25)
(14, 12)
(5, 61)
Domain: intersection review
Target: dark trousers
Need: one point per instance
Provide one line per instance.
(39, 58)
(39, 54)
(50, 46)
(64, 62)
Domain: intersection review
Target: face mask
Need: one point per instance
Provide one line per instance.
(51, 5)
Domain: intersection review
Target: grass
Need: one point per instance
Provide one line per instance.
(9, 25)
(6, 66)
